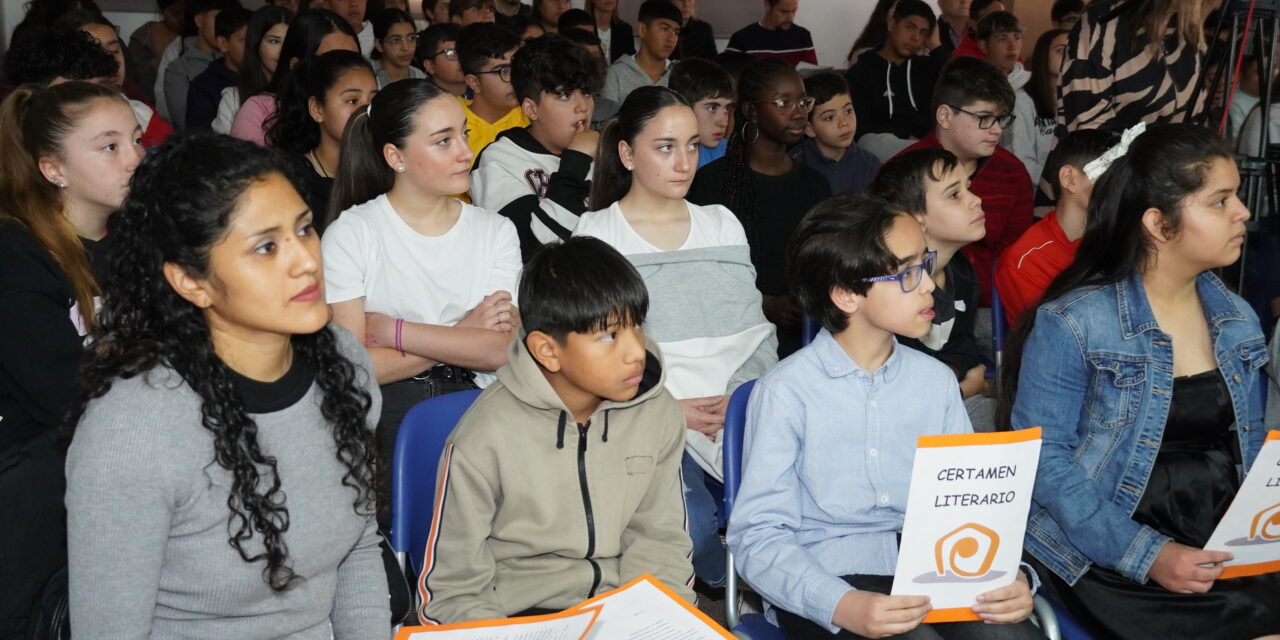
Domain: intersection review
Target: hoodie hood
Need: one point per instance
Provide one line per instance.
(523, 377)
(1019, 77)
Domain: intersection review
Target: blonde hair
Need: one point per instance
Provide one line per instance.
(1190, 15)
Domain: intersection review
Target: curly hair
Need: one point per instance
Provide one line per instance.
(552, 64)
(181, 202)
(43, 55)
(291, 128)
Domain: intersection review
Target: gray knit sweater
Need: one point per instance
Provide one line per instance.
(148, 524)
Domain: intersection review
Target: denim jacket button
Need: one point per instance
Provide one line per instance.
(1236, 377)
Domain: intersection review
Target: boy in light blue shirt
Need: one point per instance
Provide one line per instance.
(831, 434)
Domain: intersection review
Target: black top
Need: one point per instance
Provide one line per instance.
(622, 41)
(780, 203)
(205, 93)
(697, 40)
(1194, 480)
(313, 187)
(955, 306)
(269, 397)
(893, 98)
(40, 345)
(505, 21)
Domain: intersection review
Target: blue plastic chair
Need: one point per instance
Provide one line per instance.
(754, 625)
(809, 329)
(413, 471)
(999, 326)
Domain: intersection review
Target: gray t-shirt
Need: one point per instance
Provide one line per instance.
(148, 523)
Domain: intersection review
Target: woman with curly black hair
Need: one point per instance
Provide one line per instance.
(220, 483)
(315, 106)
(762, 185)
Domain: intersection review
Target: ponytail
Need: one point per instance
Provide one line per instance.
(611, 180)
(34, 124)
(363, 173)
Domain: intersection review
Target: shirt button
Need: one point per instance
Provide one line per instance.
(1236, 378)
(871, 452)
(884, 499)
(873, 402)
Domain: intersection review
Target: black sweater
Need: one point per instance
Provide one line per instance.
(893, 98)
(957, 304)
(40, 345)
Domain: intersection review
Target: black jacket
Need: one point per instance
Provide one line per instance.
(894, 99)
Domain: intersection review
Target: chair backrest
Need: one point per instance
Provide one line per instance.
(413, 469)
(808, 330)
(999, 326)
(735, 424)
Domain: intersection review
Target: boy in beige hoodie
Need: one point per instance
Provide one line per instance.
(563, 479)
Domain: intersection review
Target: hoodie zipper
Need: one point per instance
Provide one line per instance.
(586, 505)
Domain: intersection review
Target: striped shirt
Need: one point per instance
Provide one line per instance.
(793, 44)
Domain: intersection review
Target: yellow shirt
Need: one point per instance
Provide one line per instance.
(482, 132)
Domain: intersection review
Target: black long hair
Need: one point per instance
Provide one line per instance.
(611, 180)
(740, 185)
(180, 203)
(303, 40)
(291, 128)
(1163, 166)
(382, 22)
(1043, 86)
(363, 173)
(254, 77)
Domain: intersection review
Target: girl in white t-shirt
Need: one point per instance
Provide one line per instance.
(705, 311)
(423, 279)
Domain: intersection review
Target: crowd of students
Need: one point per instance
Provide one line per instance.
(216, 312)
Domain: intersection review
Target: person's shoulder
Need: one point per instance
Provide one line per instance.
(919, 366)
(358, 217)
(503, 149)
(157, 403)
(494, 420)
(24, 263)
(1038, 236)
(486, 222)
(597, 224)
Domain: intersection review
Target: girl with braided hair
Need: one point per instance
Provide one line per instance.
(220, 482)
(762, 185)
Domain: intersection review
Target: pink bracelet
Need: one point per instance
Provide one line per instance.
(399, 330)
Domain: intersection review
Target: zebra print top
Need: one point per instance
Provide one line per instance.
(1113, 81)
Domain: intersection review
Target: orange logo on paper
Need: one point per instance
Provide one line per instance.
(1266, 525)
(968, 551)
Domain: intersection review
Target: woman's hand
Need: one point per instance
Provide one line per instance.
(495, 313)
(1183, 569)
(1007, 605)
(705, 415)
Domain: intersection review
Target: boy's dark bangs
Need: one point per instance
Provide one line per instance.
(620, 306)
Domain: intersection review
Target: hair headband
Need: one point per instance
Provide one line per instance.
(1103, 162)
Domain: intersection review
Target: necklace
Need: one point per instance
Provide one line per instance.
(315, 161)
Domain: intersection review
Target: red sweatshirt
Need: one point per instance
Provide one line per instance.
(1005, 188)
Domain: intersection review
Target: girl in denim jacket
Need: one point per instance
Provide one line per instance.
(1144, 371)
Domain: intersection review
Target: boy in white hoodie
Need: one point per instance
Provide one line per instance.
(999, 35)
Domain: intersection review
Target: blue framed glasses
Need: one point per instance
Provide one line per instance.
(911, 277)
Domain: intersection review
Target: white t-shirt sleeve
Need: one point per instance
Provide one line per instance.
(504, 275)
(345, 248)
(730, 231)
(228, 105)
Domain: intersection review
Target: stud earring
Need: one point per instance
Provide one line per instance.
(400, 169)
(62, 185)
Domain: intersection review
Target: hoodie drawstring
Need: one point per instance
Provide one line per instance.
(560, 431)
(910, 95)
(888, 88)
(606, 426)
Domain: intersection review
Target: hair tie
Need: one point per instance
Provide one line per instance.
(1103, 162)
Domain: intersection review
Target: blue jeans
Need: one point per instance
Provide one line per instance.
(704, 524)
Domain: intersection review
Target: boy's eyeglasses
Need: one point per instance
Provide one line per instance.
(986, 122)
(395, 41)
(449, 54)
(805, 104)
(504, 72)
(909, 279)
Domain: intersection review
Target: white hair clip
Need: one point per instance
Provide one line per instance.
(1103, 162)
